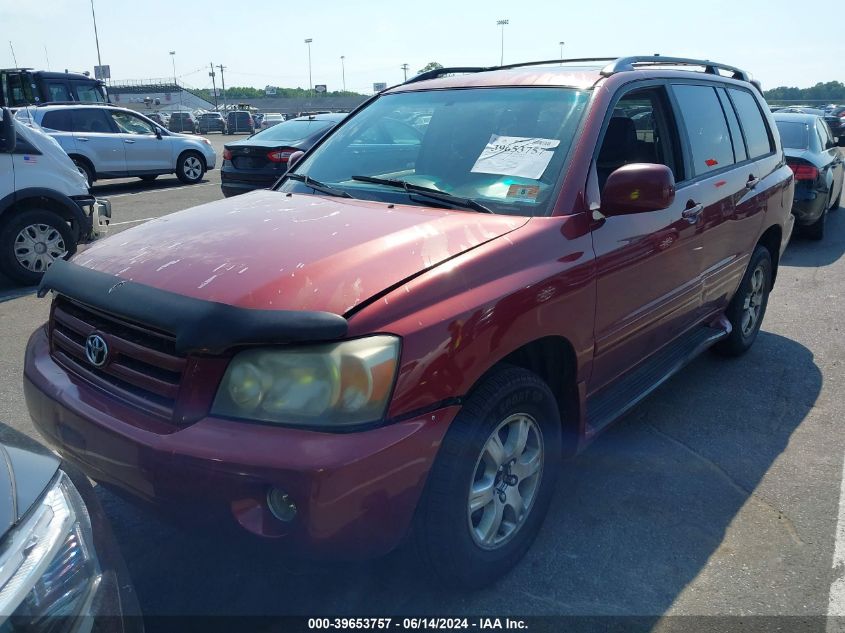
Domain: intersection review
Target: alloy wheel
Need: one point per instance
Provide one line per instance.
(193, 167)
(505, 481)
(752, 306)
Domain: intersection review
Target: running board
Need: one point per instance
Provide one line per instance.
(615, 400)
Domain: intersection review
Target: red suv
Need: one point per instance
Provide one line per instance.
(468, 278)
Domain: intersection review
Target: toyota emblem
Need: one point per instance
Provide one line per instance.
(96, 350)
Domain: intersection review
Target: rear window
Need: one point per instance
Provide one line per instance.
(793, 134)
(290, 131)
(707, 129)
(753, 126)
(58, 120)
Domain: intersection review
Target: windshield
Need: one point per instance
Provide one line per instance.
(502, 147)
(295, 130)
(793, 134)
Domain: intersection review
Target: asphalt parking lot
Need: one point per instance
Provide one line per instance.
(718, 495)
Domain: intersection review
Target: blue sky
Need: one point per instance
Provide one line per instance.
(261, 42)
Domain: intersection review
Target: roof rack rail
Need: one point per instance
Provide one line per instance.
(712, 68)
(440, 72)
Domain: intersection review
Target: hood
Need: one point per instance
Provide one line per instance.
(26, 470)
(271, 250)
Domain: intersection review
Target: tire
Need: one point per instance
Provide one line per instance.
(449, 538)
(753, 292)
(815, 231)
(148, 177)
(19, 244)
(190, 168)
(835, 205)
(85, 169)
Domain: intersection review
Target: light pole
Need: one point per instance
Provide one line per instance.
(561, 50)
(404, 68)
(502, 24)
(343, 71)
(96, 37)
(175, 83)
(310, 86)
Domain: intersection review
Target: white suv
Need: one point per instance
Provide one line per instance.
(109, 142)
(45, 206)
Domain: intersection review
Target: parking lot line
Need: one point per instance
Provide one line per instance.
(163, 190)
(130, 221)
(836, 604)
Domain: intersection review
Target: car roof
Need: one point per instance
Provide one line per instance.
(795, 117)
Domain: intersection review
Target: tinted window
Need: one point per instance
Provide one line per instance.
(824, 133)
(290, 131)
(58, 120)
(91, 120)
(58, 92)
(736, 133)
(793, 134)
(753, 125)
(707, 129)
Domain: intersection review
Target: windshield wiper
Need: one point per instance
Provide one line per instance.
(428, 192)
(316, 185)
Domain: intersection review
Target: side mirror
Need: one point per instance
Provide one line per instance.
(158, 132)
(638, 188)
(8, 138)
(295, 158)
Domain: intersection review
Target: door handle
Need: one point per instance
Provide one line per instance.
(752, 182)
(126, 140)
(690, 214)
(82, 138)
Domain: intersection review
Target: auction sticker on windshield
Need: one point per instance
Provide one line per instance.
(516, 156)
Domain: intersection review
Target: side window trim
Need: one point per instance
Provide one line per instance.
(733, 125)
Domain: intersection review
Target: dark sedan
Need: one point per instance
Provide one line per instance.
(61, 567)
(257, 162)
(832, 116)
(812, 155)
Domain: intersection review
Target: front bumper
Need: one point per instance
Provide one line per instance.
(355, 493)
(98, 213)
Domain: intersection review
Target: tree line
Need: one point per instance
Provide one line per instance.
(247, 92)
(828, 92)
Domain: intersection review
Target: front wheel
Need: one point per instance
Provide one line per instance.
(491, 483)
(748, 306)
(191, 168)
(31, 241)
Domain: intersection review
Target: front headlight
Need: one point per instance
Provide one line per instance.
(335, 384)
(48, 566)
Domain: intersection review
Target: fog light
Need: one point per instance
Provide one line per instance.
(281, 505)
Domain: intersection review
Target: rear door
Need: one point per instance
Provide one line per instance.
(96, 138)
(648, 277)
(145, 151)
(718, 162)
(59, 125)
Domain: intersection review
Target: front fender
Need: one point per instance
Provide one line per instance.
(464, 316)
